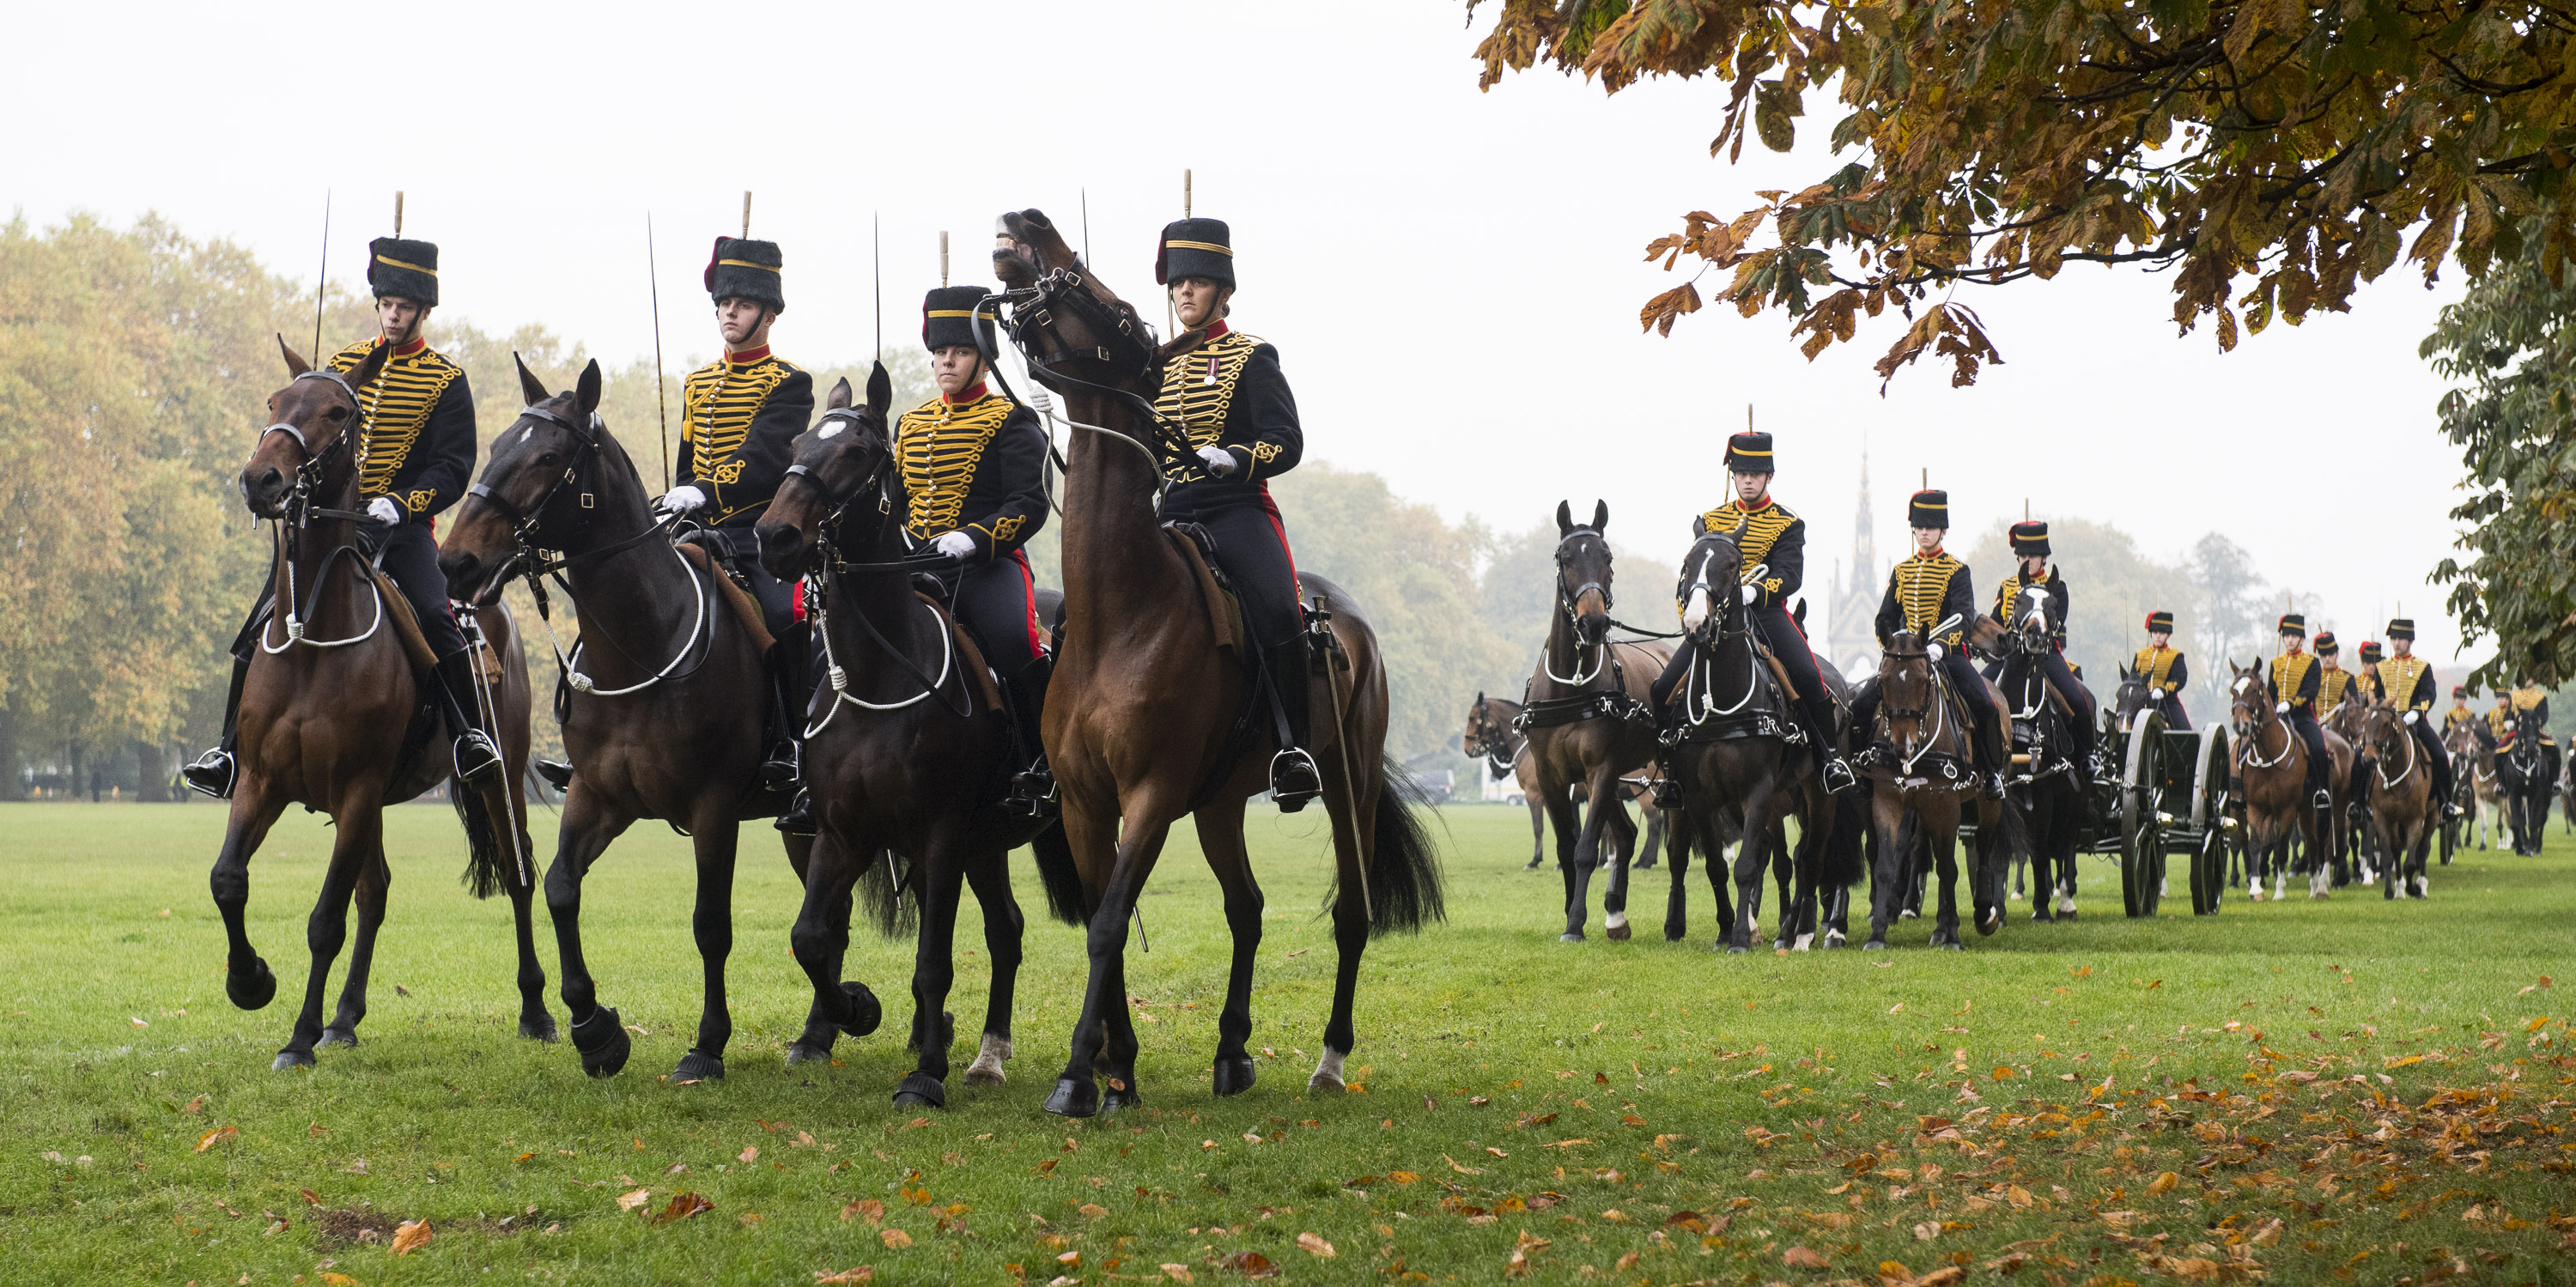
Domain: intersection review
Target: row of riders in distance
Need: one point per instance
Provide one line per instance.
(830, 620)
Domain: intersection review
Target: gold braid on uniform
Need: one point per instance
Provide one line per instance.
(2288, 670)
(397, 407)
(1762, 529)
(2330, 686)
(1922, 586)
(2009, 590)
(718, 404)
(1189, 397)
(2155, 664)
(937, 446)
(2397, 677)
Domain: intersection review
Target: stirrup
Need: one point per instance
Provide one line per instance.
(212, 774)
(778, 772)
(2324, 799)
(1034, 792)
(1668, 793)
(1838, 775)
(1294, 779)
(476, 757)
(799, 818)
(1991, 784)
(556, 773)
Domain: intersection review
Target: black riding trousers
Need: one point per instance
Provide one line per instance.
(998, 601)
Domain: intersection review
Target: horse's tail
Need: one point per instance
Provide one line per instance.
(1842, 858)
(487, 861)
(1404, 869)
(881, 897)
(1062, 879)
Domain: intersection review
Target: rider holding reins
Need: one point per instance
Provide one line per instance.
(1932, 595)
(415, 451)
(2292, 686)
(2030, 546)
(2407, 683)
(2334, 683)
(2161, 666)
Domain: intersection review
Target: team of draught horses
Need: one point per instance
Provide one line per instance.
(903, 747)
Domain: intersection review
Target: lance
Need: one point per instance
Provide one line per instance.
(661, 394)
(322, 277)
(746, 214)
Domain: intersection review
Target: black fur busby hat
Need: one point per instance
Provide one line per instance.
(949, 315)
(1749, 452)
(2030, 539)
(2369, 652)
(404, 270)
(2459, 691)
(2160, 620)
(2325, 644)
(1195, 248)
(2401, 628)
(1928, 508)
(2294, 623)
(741, 269)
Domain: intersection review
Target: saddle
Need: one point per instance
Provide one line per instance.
(1262, 710)
(745, 608)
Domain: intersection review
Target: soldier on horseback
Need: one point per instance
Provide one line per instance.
(1931, 595)
(2030, 545)
(2459, 713)
(1774, 547)
(2531, 697)
(415, 453)
(2334, 683)
(2294, 680)
(2161, 665)
(2367, 678)
(2407, 684)
(740, 417)
(1239, 430)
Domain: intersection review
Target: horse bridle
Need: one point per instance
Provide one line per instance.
(828, 560)
(525, 524)
(1730, 622)
(1888, 714)
(300, 509)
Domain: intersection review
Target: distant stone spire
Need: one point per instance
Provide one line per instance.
(1864, 549)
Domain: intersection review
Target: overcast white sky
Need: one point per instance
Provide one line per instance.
(1452, 277)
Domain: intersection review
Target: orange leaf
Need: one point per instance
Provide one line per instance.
(873, 1210)
(1251, 1264)
(683, 1206)
(216, 1136)
(894, 1239)
(411, 1236)
(1801, 1258)
(859, 1274)
(630, 1201)
(1314, 1246)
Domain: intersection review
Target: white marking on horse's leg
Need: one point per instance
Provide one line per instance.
(1615, 920)
(987, 1068)
(1804, 942)
(1328, 1073)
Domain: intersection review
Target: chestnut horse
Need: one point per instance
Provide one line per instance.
(1921, 767)
(324, 711)
(2274, 762)
(1149, 690)
(660, 701)
(2402, 805)
(910, 751)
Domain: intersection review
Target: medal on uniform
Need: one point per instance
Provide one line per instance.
(1210, 377)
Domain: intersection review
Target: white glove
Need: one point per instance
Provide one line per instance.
(1934, 650)
(383, 510)
(1218, 460)
(956, 545)
(2282, 708)
(682, 499)
(1750, 594)
(2410, 717)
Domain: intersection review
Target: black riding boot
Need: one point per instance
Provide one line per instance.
(783, 765)
(1033, 785)
(454, 689)
(1818, 712)
(1294, 778)
(1990, 755)
(214, 772)
(1670, 719)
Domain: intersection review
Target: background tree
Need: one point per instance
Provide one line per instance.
(2292, 142)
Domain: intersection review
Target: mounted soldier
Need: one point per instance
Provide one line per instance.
(2367, 678)
(1238, 430)
(2030, 547)
(2531, 697)
(740, 417)
(1774, 547)
(2161, 666)
(2406, 683)
(970, 463)
(2459, 713)
(415, 451)
(2294, 680)
(1932, 595)
(2497, 723)
(2334, 683)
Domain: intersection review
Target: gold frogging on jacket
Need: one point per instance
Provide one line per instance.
(396, 408)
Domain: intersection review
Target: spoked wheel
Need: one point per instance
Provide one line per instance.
(2208, 815)
(2142, 833)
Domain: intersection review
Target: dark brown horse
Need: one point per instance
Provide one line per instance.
(333, 719)
(663, 714)
(1492, 734)
(1150, 690)
(2274, 762)
(1922, 775)
(1588, 721)
(909, 751)
(2402, 804)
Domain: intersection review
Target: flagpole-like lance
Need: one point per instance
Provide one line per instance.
(876, 266)
(1086, 226)
(322, 277)
(746, 214)
(661, 394)
(398, 204)
(943, 257)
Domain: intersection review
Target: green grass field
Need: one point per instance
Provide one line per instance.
(2295, 1092)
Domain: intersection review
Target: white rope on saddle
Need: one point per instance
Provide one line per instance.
(295, 625)
(2382, 770)
(582, 683)
(841, 678)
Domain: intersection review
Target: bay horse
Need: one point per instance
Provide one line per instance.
(1589, 722)
(659, 701)
(1152, 683)
(912, 751)
(1492, 735)
(2047, 784)
(333, 719)
(1734, 755)
(2523, 772)
(2274, 762)
(1921, 763)
(2402, 804)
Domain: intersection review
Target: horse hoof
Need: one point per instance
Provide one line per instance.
(1835, 941)
(697, 1065)
(1954, 946)
(1234, 1075)
(1874, 945)
(1737, 949)
(539, 1027)
(1119, 1099)
(990, 1054)
(800, 1052)
(291, 1058)
(1616, 933)
(254, 990)
(2041, 914)
(920, 1090)
(602, 1042)
(337, 1036)
(1907, 916)
(1073, 1098)
(865, 1012)
(1570, 936)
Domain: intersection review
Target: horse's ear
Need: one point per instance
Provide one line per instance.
(370, 366)
(1741, 523)
(1601, 516)
(295, 363)
(1699, 527)
(1564, 518)
(532, 389)
(1480, 697)
(880, 389)
(839, 398)
(585, 393)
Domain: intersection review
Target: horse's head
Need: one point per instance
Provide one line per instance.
(2030, 623)
(1906, 693)
(2248, 705)
(540, 487)
(1710, 575)
(1483, 731)
(846, 457)
(311, 423)
(1583, 571)
(1075, 331)
(2379, 727)
(2129, 698)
